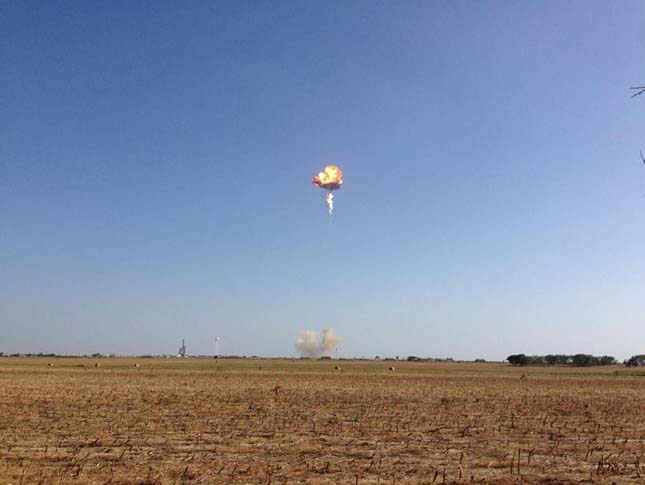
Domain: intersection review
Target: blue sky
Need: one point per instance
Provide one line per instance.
(156, 158)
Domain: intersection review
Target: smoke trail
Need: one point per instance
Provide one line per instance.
(309, 345)
(330, 201)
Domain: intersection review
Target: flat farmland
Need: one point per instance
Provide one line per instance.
(297, 421)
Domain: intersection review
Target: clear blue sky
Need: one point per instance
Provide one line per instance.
(156, 158)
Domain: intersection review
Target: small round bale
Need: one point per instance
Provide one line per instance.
(391, 369)
(137, 365)
(337, 367)
(51, 364)
(98, 364)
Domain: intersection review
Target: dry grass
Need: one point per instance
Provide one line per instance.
(281, 421)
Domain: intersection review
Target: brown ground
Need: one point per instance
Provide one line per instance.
(202, 421)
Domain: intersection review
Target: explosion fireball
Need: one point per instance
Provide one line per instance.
(330, 179)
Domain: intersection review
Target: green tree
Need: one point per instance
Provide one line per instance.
(636, 361)
(607, 360)
(518, 359)
(585, 360)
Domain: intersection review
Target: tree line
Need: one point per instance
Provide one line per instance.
(577, 360)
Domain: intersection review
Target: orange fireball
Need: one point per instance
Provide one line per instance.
(331, 178)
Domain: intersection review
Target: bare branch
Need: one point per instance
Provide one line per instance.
(640, 89)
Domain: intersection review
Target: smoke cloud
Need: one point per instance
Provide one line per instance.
(309, 345)
(330, 202)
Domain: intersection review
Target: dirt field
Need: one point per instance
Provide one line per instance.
(283, 421)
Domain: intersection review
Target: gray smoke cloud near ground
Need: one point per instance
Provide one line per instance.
(309, 345)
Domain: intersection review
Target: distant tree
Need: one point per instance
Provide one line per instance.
(413, 358)
(551, 359)
(536, 360)
(585, 360)
(578, 360)
(518, 359)
(559, 359)
(607, 360)
(636, 361)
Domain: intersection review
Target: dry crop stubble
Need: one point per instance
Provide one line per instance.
(283, 421)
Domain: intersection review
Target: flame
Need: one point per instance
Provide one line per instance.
(331, 178)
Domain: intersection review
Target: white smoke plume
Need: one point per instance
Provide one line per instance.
(309, 345)
(330, 202)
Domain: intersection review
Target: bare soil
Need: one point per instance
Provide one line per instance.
(282, 421)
